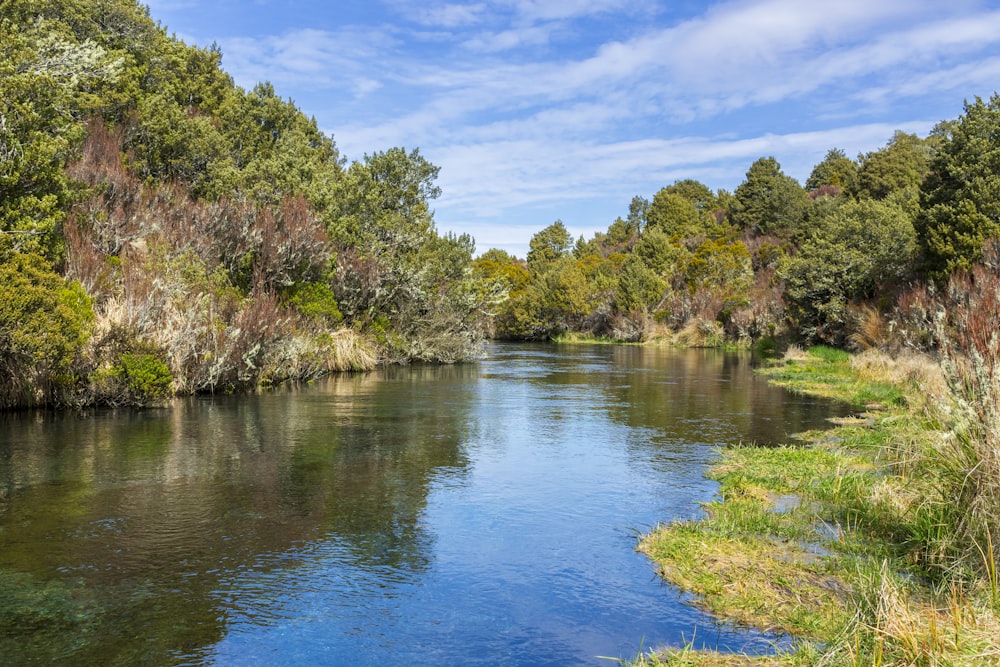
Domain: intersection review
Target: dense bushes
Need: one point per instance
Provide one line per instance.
(175, 233)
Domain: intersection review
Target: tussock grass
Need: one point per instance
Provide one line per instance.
(701, 332)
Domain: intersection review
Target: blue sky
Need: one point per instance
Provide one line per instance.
(538, 110)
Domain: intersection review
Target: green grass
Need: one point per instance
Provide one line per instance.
(848, 543)
(828, 373)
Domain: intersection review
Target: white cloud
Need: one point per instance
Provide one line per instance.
(524, 103)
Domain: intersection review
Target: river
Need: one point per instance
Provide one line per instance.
(484, 513)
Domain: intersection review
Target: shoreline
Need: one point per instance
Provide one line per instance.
(803, 540)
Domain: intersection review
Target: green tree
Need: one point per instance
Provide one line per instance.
(719, 266)
(639, 288)
(675, 215)
(660, 254)
(768, 201)
(896, 170)
(960, 199)
(44, 323)
(549, 245)
(696, 192)
(638, 214)
(45, 79)
(860, 249)
(835, 171)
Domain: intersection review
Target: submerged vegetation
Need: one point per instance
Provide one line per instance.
(874, 543)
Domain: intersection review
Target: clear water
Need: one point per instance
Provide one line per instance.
(476, 514)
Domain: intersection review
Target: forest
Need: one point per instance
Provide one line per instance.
(165, 232)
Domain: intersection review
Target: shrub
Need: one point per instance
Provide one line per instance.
(969, 338)
(135, 380)
(44, 322)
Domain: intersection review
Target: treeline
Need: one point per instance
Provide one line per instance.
(860, 255)
(164, 231)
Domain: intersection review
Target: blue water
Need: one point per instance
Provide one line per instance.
(486, 513)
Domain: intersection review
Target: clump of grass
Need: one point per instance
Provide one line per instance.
(895, 623)
(751, 564)
(687, 656)
(824, 371)
(969, 462)
(701, 332)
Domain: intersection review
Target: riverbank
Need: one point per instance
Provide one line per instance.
(851, 544)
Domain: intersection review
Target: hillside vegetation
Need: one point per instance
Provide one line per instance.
(164, 231)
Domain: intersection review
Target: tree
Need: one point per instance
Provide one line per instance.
(695, 192)
(549, 245)
(858, 250)
(639, 288)
(45, 84)
(638, 211)
(960, 199)
(675, 215)
(835, 171)
(768, 201)
(44, 322)
(895, 170)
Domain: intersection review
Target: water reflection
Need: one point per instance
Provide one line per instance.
(454, 514)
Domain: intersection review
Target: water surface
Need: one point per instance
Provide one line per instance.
(482, 513)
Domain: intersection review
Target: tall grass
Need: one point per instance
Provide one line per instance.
(969, 460)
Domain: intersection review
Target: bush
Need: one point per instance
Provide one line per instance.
(44, 322)
(969, 338)
(136, 380)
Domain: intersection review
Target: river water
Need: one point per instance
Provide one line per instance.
(484, 513)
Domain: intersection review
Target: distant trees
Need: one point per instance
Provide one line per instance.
(769, 202)
(821, 262)
(836, 171)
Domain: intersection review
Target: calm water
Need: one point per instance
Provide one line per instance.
(484, 513)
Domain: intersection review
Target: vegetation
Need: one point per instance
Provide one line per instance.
(874, 543)
(164, 231)
(845, 258)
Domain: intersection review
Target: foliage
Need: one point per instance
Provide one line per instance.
(768, 201)
(44, 323)
(836, 171)
(549, 245)
(960, 200)
(894, 171)
(135, 380)
(639, 287)
(855, 250)
(969, 339)
(674, 215)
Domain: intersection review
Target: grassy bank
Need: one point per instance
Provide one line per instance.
(861, 543)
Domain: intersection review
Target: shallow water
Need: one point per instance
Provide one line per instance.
(483, 513)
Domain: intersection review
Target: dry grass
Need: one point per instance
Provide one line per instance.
(917, 373)
(701, 332)
(895, 626)
(795, 353)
